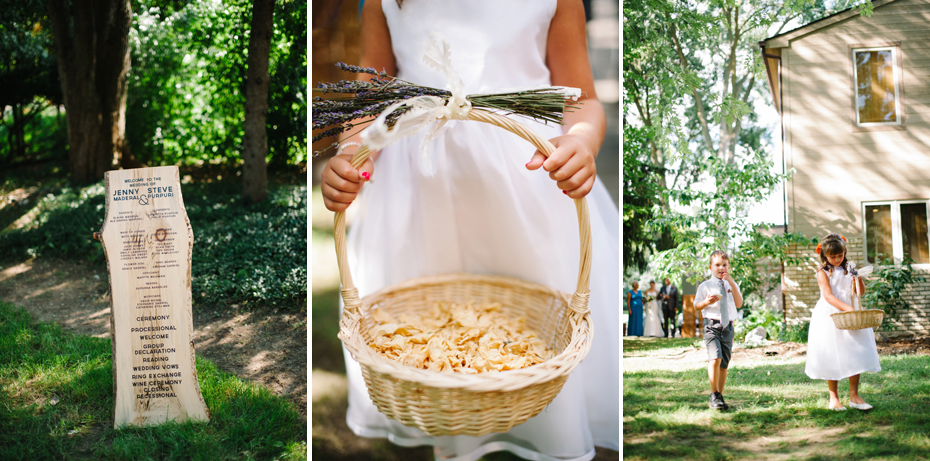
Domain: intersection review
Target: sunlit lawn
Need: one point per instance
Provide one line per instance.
(56, 402)
(777, 411)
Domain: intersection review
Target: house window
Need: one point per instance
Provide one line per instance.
(898, 230)
(877, 86)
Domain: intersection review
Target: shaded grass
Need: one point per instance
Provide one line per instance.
(666, 414)
(56, 402)
(633, 347)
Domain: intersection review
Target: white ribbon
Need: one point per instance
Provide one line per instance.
(424, 110)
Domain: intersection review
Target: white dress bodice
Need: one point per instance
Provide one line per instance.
(495, 45)
(840, 285)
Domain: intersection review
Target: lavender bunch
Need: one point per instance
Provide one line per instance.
(345, 104)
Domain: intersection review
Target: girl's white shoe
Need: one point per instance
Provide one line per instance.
(839, 408)
(860, 406)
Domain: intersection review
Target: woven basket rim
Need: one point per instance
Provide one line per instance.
(858, 319)
(857, 311)
(507, 380)
(440, 279)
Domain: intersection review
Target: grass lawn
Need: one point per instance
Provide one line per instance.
(776, 412)
(56, 402)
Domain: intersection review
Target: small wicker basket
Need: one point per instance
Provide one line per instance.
(859, 318)
(470, 404)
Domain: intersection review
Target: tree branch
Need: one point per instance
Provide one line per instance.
(699, 103)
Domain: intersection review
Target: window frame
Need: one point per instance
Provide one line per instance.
(900, 124)
(897, 234)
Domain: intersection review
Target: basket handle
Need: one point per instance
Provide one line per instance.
(579, 299)
(856, 301)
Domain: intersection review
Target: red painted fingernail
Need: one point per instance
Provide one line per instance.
(566, 193)
(366, 175)
(528, 163)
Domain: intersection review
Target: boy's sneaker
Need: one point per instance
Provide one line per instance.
(720, 398)
(716, 402)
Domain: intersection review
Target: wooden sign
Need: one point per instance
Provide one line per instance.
(690, 319)
(147, 240)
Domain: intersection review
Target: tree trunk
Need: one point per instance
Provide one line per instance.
(255, 144)
(92, 45)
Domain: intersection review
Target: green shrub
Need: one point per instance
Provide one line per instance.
(64, 225)
(758, 316)
(242, 252)
(794, 333)
(250, 253)
(884, 290)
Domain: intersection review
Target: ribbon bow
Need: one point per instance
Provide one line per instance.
(424, 110)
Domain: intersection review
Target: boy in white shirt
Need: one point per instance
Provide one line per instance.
(718, 292)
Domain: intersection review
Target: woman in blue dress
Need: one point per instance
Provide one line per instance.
(634, 301)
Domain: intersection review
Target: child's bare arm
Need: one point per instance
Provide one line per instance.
(341, 182)
(824, 282)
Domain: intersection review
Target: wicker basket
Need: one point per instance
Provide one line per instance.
(470, 404)
(859, 318)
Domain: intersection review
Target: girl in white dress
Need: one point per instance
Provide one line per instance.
(834, 354)
(653, 324)
(484, 209)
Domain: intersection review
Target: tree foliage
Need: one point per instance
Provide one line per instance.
(28, 82)
(187, 83)
(692, 80)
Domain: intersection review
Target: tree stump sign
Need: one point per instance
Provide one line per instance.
(147, 240)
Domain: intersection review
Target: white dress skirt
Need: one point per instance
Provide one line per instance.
(653, 322)
(834, 354)
(481, 211)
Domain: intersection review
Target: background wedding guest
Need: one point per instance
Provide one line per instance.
(668, 297)
(634, 304)
(653, 322)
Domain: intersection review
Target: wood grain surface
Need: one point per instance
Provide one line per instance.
(147, 239)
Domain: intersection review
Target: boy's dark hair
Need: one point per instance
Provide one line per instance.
(832, 244)
(721, 253)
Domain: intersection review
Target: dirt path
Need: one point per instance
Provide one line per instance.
(689, 357)
(265, 346)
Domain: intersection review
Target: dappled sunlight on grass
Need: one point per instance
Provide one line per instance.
(637, 345)
(776, 412)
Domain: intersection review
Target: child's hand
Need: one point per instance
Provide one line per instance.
(572, 165)
(712, 298)
(341, 182)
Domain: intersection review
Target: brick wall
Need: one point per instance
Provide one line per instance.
(802, 292)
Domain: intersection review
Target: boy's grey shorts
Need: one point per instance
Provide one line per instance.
(719, 341)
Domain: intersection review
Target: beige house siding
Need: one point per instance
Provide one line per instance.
(838, 167)
(821, 145)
